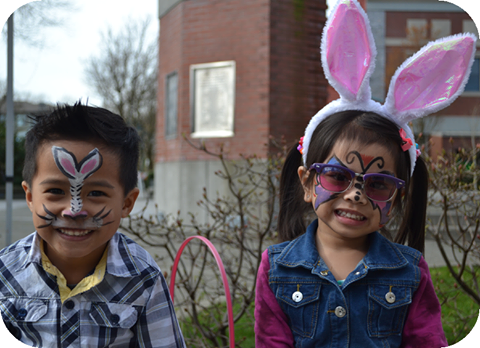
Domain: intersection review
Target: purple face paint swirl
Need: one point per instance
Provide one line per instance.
(76, 174)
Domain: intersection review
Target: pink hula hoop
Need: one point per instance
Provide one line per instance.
(214, 251)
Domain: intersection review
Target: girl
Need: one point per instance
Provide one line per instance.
(339, 282)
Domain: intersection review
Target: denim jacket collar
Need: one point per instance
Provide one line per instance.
(382, 254)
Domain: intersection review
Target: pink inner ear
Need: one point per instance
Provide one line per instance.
(434, 77)
(89, 166)
(68, 166)
(348, 49)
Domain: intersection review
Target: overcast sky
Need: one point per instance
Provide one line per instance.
(55, 72)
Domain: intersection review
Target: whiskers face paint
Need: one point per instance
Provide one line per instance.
(66, 222)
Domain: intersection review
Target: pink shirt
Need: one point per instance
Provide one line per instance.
(423, 326)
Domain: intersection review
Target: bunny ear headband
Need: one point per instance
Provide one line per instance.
(425, 83)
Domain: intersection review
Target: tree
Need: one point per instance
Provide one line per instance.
(241, 225)
(39, 14)
(125, 76)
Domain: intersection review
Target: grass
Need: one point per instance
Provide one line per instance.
(459, 313)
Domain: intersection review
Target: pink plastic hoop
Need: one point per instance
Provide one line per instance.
(231, 328)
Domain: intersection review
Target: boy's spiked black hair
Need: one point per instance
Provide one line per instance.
(85, 123)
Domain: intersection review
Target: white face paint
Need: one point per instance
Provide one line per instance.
(76, 174)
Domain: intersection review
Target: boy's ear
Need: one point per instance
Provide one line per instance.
(129, 202)
(303, 173)
(28, 195)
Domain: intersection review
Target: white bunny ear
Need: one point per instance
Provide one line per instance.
(348, 51)
(431, 79)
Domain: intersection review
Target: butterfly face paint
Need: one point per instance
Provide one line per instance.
(76, 174)
(366, 162)
(321, 195)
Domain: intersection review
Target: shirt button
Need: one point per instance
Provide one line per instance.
(114, 319)
(70, 304)
(357, 273)
(324, 273)
(390, 297)
(297, 296)
(340, 312)
(22, 313)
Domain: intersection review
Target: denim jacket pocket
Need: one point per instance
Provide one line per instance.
(387, 308)
(114, 315)
(299, 298)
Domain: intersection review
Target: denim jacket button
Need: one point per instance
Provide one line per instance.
(340, 312)
(297, 296)
(324, 273)
(390, 297)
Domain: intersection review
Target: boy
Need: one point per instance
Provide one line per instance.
(76, 281)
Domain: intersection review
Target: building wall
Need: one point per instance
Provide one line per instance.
(279, 85)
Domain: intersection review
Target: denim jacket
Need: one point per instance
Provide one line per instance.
(368, 310)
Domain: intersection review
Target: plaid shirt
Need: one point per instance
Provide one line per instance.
(131, 307)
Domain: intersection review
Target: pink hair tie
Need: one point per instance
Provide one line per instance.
(300, 146)
(406, 142)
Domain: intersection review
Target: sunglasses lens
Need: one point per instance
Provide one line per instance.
(334, 179)
(379, 188)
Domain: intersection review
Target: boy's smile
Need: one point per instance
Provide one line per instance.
(77, 209)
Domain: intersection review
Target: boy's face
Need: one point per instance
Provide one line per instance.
(76, 199)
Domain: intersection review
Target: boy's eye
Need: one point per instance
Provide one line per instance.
(96, 193)
(56, 191)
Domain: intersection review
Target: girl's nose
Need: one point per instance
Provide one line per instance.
(80, 215)
(356, 193)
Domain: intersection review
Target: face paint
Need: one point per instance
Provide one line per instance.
(322, 195)
(366, 162)
(76, 174)
(58, 222)
(384, 208)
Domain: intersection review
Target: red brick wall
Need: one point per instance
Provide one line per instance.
(298, 88)
(279, 82)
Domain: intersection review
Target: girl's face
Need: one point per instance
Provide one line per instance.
(351, 214)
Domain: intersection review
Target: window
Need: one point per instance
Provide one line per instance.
(473, 84)
(441, 28)
(212, 99)
(171, 102)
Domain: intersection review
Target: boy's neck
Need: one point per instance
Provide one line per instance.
(75, 269)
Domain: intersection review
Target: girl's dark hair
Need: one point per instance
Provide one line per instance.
(85, 123)
(367, 128)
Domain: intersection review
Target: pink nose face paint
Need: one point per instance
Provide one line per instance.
(76, 174)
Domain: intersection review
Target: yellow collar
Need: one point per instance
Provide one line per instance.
(85, 284)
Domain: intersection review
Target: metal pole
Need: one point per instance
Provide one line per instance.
(10, 129)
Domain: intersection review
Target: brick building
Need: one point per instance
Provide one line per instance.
(400, 28)
(234, 73)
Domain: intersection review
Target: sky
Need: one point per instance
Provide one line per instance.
(55, 72)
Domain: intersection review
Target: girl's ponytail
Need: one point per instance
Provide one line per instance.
(291, 222)
(412, 228)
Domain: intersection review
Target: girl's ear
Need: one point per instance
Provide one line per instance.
(303, 174)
